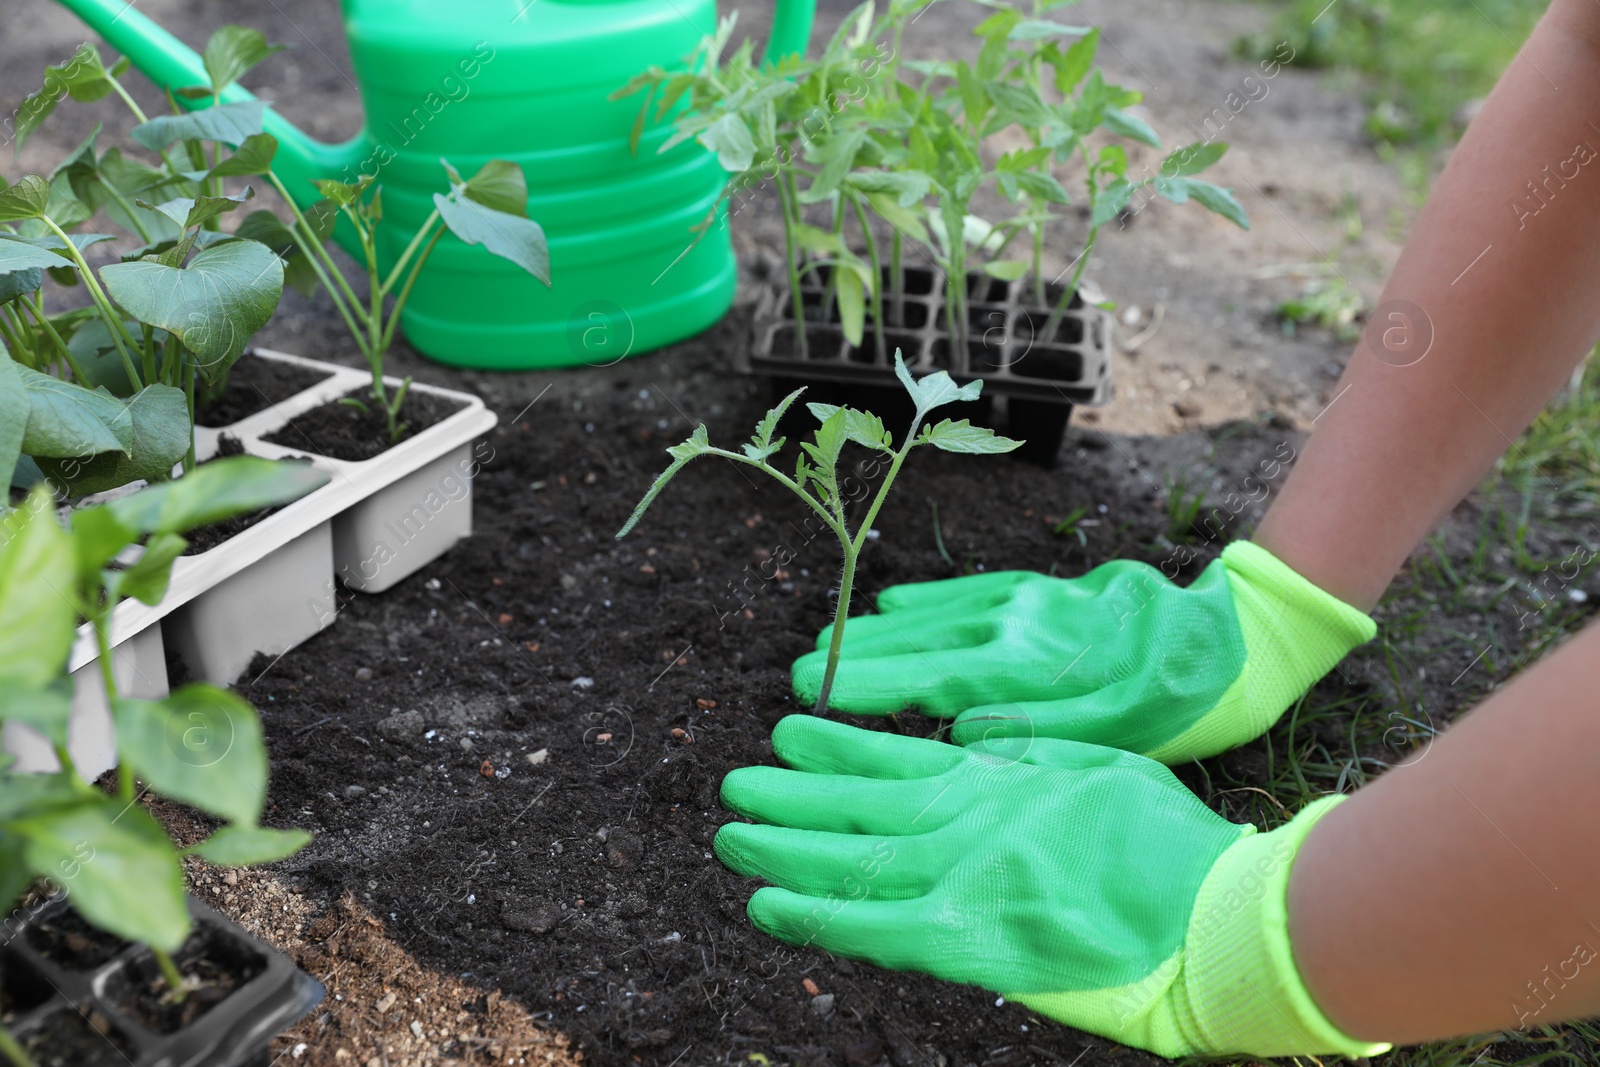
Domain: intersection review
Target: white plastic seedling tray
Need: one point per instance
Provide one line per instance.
(271, 586)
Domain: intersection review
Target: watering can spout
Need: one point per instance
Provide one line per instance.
(169, 62)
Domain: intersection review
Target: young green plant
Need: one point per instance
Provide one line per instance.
(816, 479)
(201, 745)
(490, 208)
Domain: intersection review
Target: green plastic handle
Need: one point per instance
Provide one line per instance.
(791, 28)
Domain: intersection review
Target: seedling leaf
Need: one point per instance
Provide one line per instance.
(862, 427)
(698, 444)
(201, 745)
(231, 124)
(37, 614)
(245, 846)
(762, 445)
(933, 390)
(232, 51)
(961, 436)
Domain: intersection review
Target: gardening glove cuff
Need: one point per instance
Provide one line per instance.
(1240, 977)
(1293, 632)
(1233, 986)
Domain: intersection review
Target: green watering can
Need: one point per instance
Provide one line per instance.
(528, 81)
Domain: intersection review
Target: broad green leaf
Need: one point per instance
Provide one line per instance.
(29, 794)
(908, 222)
(343, 194)
(46, 709)
(933, 390)
(118, 865)
(1007, 270)
(245, 846)
(1042, 186)
(908, 186)
(1073, 64)
(232, 51)
(1110, 201)
(194, 211)
(231, 124)
(698, 444)
(1120, 122)
(146, 579)
(214, 305)
(1216, 198)
(83, 77)
(730, 139)
(14, 409)
(25, 200)
(762, 445)
(201, 745)
(221, 489)
(1192, 159)
(67, 420)
(851, 297)
(817, 241)
(37, 594)
(512, 237)
(862, 427)
(961, 436)
(97, 536)
(255, 156)
(837, 156)
(500, 186)
(824, 452)
(156, 421)
(1041, 29)
(18, 282)
(18, 255)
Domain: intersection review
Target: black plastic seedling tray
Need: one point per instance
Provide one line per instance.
(72, 994)
(1039, 378)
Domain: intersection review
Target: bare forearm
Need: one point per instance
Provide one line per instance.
(1511, 296)
(1460, 893)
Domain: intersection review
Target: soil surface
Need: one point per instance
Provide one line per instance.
(67, 940)
(344, 431)
(68, 1039)
(255, 385)
(511, 759)
(213, 968)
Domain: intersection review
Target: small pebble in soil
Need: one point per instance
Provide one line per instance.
(811, 987)
(402, 726)
(363, 674)
(583, 682)
(536, 758)
(384, 1003)
(466, 744)
(485, 768)
(822, 1006)
(705, 705)
(353, 791)
(433, 585)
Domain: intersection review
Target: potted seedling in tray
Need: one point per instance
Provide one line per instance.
(163, 336)
(879, 165)
(116, 965)
(816, 480)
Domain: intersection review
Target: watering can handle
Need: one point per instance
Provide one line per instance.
(791, 28)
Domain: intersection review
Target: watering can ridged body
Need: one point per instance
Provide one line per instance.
(528, 81)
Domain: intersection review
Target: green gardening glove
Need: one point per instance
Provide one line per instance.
(1085, 882)
(1119, 657)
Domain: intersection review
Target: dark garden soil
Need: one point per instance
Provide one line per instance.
(512, 758)
(68, 1039)
(213, 968)
(66, 939)
(205, 538)
(253, 386)
(343, 431)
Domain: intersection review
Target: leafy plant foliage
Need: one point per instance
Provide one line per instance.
(816, 479)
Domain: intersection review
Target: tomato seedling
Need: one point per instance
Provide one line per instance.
(816, 478)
